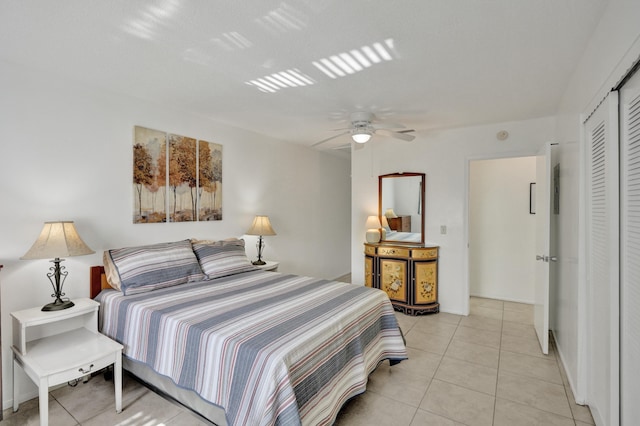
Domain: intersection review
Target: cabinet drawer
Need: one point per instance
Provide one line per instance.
(424, 253)
(393, 251)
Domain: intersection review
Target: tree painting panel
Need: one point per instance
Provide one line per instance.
(183, 190)
(149, 175)
(209, 181)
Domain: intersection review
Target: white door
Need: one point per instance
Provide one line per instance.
(543, 195)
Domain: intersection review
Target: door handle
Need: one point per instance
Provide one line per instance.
(546, 258)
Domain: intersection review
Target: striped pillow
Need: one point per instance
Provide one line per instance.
(146, 268)
(222, 258)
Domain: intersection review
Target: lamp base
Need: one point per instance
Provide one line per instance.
(58, 305)
(259, 262)
(373, 236)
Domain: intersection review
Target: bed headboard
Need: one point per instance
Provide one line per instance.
(97, 281)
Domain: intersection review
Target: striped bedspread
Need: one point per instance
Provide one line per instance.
(269, 348)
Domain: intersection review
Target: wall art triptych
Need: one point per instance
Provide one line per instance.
(175, 178)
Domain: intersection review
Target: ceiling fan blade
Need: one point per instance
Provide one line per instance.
(401, 134)
(328, 139)
(387, 125)
(345, 146)
(356, 146)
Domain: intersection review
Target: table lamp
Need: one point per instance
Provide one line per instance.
(373, 229)
(57, 239)
(261, 226)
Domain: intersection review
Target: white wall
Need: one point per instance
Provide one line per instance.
(66, 154)
(613, 48)
(444, 157)
(502, 238)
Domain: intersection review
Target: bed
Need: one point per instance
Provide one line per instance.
(253, 347)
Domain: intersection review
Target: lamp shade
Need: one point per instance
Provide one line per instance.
(58, 239)
(261, 226)
(373, 223)
(390, 213)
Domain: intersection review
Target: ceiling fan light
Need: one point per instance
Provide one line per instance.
(361, 136)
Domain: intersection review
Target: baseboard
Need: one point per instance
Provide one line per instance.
(504, 299)
(579, 399)
(346, 278)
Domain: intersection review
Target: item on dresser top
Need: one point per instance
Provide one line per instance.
(373, 229)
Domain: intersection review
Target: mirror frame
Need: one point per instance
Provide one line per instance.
(422, 203)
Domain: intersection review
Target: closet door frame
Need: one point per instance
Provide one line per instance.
(629, 247)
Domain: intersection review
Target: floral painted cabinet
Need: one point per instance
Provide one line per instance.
(408, 274)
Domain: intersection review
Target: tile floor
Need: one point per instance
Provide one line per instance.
(484, 369)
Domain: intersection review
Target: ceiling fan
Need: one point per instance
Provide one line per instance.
(364, 125)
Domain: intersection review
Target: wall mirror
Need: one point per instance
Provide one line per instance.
(401, 207)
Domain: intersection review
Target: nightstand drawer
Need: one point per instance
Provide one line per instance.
(80, 370)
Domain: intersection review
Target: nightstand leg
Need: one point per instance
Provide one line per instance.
(117, 381)
(16, 386)
(43, 395)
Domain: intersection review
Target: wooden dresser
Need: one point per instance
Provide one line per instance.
(407, 273)
(400, 223)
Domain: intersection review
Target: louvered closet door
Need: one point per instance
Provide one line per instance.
(630, 251)
(602, 236)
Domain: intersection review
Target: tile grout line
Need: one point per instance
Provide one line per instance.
(495, 400)
(433, 377)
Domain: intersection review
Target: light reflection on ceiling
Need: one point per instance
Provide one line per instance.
(356, 60)
(232, 41)
(281, 80)
(335, 66)
(283, 19)
(151, 18)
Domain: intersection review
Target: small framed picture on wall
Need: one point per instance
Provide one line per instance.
(532, 198)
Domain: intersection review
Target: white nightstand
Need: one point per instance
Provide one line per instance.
(269, 266)
(59, 346)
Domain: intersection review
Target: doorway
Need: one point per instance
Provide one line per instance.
(501, 226)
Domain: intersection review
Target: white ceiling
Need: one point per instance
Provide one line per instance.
(450, 62)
